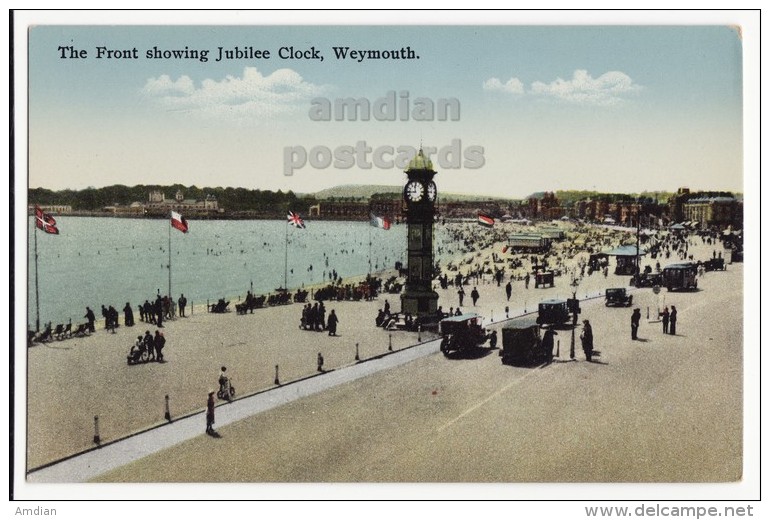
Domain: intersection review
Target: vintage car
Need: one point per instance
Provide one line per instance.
(714, 264)
(682, 276)
(617, 297)
(543, 278)
(461, 333)
(522, 344)
(647, 280)
(552, 312)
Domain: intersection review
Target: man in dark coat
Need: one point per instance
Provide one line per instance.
(474, 296)
(587, 339)
(636, 316)
(160, 342)
(672, 321)
(159, 311)
(332, 324)
(508, 290)
(91, 319)
(548, 342)
(128, 315)
(149, 344)
(665, 319)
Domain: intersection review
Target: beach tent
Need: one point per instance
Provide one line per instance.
(626, 258)
(677, 227)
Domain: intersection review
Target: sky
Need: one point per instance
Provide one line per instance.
(539, 107)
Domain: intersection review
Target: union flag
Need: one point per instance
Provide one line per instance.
(295, 220)
(45, 222)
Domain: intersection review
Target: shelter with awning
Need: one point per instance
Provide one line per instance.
(626, 258)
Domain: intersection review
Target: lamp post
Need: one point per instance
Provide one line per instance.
(575, 283)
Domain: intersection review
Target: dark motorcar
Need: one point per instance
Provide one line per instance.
(544, 278)
(552, 312)
(522, 345)
(648, 280)
(715, 264)
(617, 297)
(460, 333)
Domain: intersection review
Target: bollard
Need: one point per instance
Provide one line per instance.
(168, 410)
(357, 358)
(558, 347)
(208, 309)
(97, 440)
(491, 316)
(419, 332)
(390, 341)
(506, 312)
(648, 312)
(276, 381)
(192, 307)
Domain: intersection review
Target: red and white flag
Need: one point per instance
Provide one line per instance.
(380, 222)
(295, 220)
(179, 222)
(45, 222)
(486, 220)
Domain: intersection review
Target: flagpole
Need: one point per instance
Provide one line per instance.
(370, 247)
(169, 257)
(37, 292)
(286, 259)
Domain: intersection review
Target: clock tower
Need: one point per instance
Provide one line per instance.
(419, 298)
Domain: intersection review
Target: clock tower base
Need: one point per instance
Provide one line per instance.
(419, 303)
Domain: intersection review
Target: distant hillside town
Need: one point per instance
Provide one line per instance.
(696, 209)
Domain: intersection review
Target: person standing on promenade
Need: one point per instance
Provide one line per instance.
(526, 281)
(333, 323)
(474, 296)
(665, 319)
(128, 315)
(160, 342)
(548, 342)
(210, 406)
(106, 316)
(636, 316)
(159, 311)
(461, 295)
(91, 319)
(149, 344)
(672, 321)
(587, 339)
(508, 290)
(182, 305)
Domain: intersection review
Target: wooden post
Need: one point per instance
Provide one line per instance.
(97, 439)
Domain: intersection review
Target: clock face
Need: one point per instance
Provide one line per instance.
(432, 191)
(414, 191)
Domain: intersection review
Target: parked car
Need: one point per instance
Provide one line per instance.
(617, 297)
(682, 276)
(553, 312)
(522, 344)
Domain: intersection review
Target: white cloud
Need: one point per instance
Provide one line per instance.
(607, 89)
(512, 86)
(252, 94)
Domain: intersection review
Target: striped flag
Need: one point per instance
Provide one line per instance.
(179, 222)
(485, 220)
(380, 222)
(45, 222)
(295, 220)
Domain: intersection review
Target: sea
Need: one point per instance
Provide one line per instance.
(96, 261)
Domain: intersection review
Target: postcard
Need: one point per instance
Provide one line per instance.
(305, 256)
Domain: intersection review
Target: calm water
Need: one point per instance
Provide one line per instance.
(111, 261)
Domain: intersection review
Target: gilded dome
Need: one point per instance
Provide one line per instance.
(420, 162)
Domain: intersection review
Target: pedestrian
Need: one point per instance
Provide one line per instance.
(128, 315)
(160, 342)
(159, 311)
(672, 321)
(333, 323)
(461, 295)
(635, 317)
(526, 281)
(587, 339)
(320, 360)
(548, 342)
(182, 305)
(474, 296)
(665, 319)
(508, 290)
(210, 405)
(91, 319)
(106, 316)
(149, 344)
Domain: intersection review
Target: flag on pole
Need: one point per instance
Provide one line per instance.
(179, 222)
(45, 222)
(486, 220)
(380, 222)
(295, 220)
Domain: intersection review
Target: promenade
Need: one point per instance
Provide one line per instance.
(663, 409)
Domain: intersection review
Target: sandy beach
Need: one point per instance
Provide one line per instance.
(663, 409)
